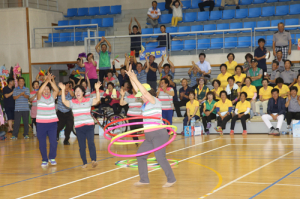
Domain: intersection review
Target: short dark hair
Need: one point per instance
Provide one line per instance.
(216, 80)
(205, 80)
(275, 62)
(10, 79)
(279, 80)
(166, 81)
(103, 45)
(248, 55)
(183, 79)
(287, 60)
(265, 79)
(109, 71)
(48, 85)
(231, 77)
(210, 93)
(135, 26)
(223, 65)
(294, 88)
(298, 76)
(152, 92)
(166, 65)
(239, 66)
(78, 59)
(110, 83)
(279, 51)
(222, 93)
(89, 55)
(244, 93)
(275, 90)
(202, 54)
(34, 83)
(162, 26)
(19, 78)
(81, 88)
(280, 23)
(261, 40)
(139, 63)
(154, 2)
(169, 76)
(248, 78)
(231, 54)
(122, 68)
(192, 92)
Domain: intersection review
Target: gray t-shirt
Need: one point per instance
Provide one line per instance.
(281, 65)
(274, 74)
(294, 105)
(282, 38)
(288, 76)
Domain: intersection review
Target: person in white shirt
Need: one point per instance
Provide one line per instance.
(153, 15)
(204, 66)
(177, 12)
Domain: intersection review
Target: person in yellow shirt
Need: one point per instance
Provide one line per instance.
(223, 109)
(284, 90)
(242, 112)
(192, 109)
(297, 84)
(239, 76)
(217, 89)
(264, 96)
(223, 76)
(251, 93)
(231, 64)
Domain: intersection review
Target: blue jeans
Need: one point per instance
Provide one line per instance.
(185, 120)
(168, 115)
(86, 133)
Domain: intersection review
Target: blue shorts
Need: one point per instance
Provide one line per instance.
(10, 113)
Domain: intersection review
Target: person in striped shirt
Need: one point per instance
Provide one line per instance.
(83, 121)
(33, 99)
(46, 120)
(153, 137)
(165, 94)
(109, 78)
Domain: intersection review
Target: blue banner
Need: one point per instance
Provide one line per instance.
(157, 52)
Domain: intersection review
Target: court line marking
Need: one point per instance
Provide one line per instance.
(107, 171)
(266, 144)
(233, 181)
(267, 183)
(274, 183)
(148, 172)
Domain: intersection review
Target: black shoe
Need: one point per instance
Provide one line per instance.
(66, 143)
(57, 138)
(221, 8)
(237, 7)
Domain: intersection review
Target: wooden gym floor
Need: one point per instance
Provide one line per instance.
(231, 167)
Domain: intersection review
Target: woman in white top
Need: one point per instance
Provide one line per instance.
(177, 12)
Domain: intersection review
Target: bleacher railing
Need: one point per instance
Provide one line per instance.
(39, 4)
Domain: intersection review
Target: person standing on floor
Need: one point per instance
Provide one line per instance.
(209, 111)
(33, 99)
(293, 105)
(9, 103)
(83, 121)
(165, 94)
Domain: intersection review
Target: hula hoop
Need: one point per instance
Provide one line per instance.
(128, 163)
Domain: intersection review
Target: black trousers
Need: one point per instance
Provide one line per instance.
(102, 74)
(133, 127)
(33, 121)
(178, 105)
(65, 119)
(126, 107)
(257, 88)
(243, 121)
(222, 123)
(115, 107)
(292, 115)
(207, 119)
(211, 5)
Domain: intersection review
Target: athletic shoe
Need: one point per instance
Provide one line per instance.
(66, 143)
(272, 131)
(219, 130)
(140, 184)
(289, 127)
(244, 132)
(94, 164)
(169, 184)
(26, 137)
(84, 166)
(207, 132)
(276, 132)
(13, 138)
(231, 132)
(208, 125)
(44, 164)
(52, 162)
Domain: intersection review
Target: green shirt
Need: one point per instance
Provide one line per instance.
(209, 106)
(104, 60)
(255, 74)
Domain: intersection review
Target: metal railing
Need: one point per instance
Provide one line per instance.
(39, 4)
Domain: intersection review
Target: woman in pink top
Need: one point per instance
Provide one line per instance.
(33, 100)
(112, 93)
(90, 69)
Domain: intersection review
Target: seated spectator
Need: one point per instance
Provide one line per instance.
(255, 74)
(205, 68)
(194, 74)
(283, 89)
(165, 94)
(183, 96)
(153, 15)
(247, 63)
(201, 92)
(251, 92)
(122, 76)
(205, 3)
(233, 90)
(9, 102)
(223, 76)
(242, 112)
(264, 96)
(229, 2)
(274, 74)
(192, 109)
(276, 111)
(86, 85)
(289, 76)
(167, 6)
(280, 61)
(90, 69)
(260, 54)
(167, 69)
(111, 99)
(293, 105)
(297, 84)
(209, 111)
(135, 44)
(223, 109)
(177, 12)
(74, 70)
(217, 89)
(231, 64)
(239, 76)
(173, 85)
(109, 78)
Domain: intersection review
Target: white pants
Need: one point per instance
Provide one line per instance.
(266, 118)
(253, 108)
(264, 104)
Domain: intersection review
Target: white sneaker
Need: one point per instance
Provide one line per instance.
(289, 127)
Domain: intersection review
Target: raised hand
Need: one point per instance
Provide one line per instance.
(113, 62)
(122, 92)
(98, 85)
(62, 86)
(193, 63)
(162, 58)
(168, 58)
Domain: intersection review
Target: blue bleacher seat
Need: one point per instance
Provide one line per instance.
(107, 22)
(184, 29)
(276, 21)
(271, 1)
(176, 45)
(151, 45)
(85, 21)
(230, 42)
(190, 17)
(263, 24)
(85, 34)
(147, 31)
(97, 21)
(215, 15)
(218, 3)
(216, 43)
(72, 12)
(83, 12)
(171, 29)
(249, 24)
(228, 14)
(62, 23)
(195, 3)
(186, 4)
(104, 10)
(189, 44)
(101, 33)
(165, 18)
(236, 25)
(245, 2)
(93, 11)
(254, 12)
(55, 38)
(73, 22)
(64, 37)
(78, 36)
(196, 28)
(258, 1)
(295, 38)
(268, 11)
(116, 9)
(294, 9)
(269, 40)
(255, 40)
(289, 22)
(203, 44)
(284, 0)
(222, 26)
(241, 13)
(244, 42)
(161, 6)
(282, 10)
(203, 16)
(209, 27)
(156, 30)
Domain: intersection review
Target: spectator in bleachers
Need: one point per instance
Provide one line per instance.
(289, 76)
(9, 103)
(233, 90)
(194, 74)
(255, 74)
(264, 96)
(74, 70)
(205, 3)
(276, 111)
(153, 15)
(260, 54)
(177, 12)
(283, 89)
(109, 78)
(166, 69)
(242, 112)
(223, 109)
(90, 70)
(209, 111)
(247, 63)
(231, 64)
(165, 94)
(131, 60)
(151, 76)
(239, 76)
(167, 6)
(183, 96)
(205, 68)
(140, 73)
(217, 89)
(122, 76)
(251, 93)
(293, 105)
(192, 109)
(135, 41)
(274, 74)
(200, 92)
(282, 40)
(86, 85)
(104, 59)
(280, 61)
(172, 85)
(111, 99)
(223, 76)
(297, 84)
(229, 2)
